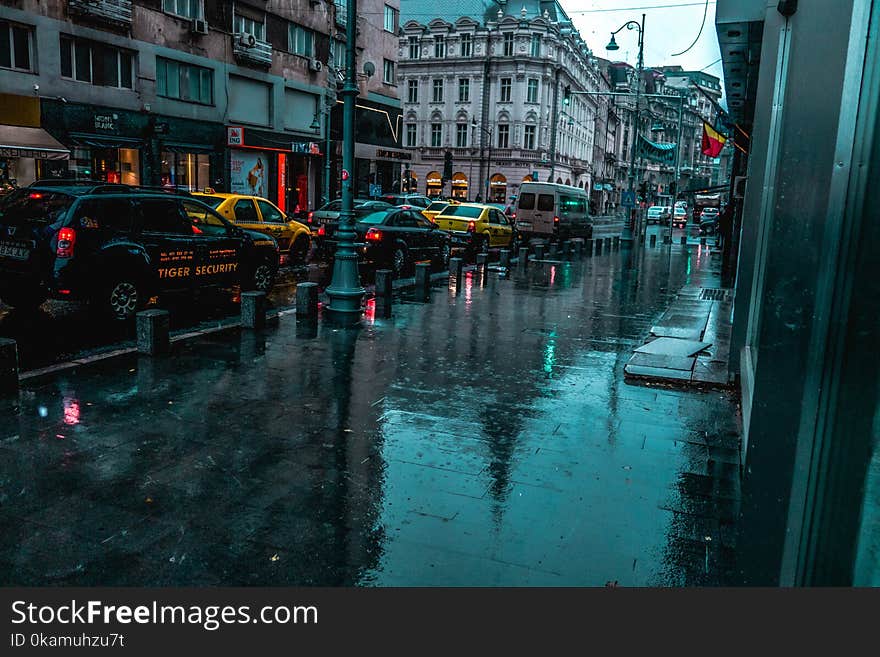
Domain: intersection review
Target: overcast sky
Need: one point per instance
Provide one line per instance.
(668, 29)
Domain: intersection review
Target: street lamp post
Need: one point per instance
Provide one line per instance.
(612, 45)
(486, 131)
(345, 290)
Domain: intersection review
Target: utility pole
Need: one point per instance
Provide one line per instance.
(554, 119)
(345, 290)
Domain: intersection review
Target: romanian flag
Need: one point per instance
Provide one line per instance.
(713, 141)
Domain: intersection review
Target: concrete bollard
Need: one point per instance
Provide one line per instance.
(607, 245)
(577, 248)
(8, 366)
(482, 262)
(152, 331)
(253, 310)
(588, 247)
(307, 299)
(504, 258)
(455, 265)
(684, 239)
(539, 251)
(383, 282)
(423, 278)
(667, 238)
(702, 241)
(553, 251)
(653, 240)
(598, 244)
(523, 257)
(615, 242)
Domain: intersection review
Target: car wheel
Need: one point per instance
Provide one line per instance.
(300, 250)
(399, 261)
(261, 279)
(121, 299)
(24, 298)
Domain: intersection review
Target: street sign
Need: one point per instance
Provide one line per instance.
(375, 190)
(628, 199)
(345, 174)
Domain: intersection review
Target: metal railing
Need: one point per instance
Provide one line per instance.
(111, 11)
(258, 53)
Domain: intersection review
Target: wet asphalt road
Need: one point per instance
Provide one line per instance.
(486, 437)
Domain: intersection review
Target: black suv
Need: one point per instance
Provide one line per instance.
(116, 248)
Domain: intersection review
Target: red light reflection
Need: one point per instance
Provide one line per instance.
(71, 411)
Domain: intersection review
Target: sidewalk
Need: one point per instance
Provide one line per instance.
(486, 437)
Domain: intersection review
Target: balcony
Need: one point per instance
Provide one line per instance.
(114, 12)
(249, 50)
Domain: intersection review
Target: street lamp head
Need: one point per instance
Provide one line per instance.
(612, 45)
(316, 125)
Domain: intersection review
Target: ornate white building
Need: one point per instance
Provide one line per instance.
(489, 87)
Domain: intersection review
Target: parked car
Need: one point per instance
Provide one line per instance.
(709, 224)
(679, 217)
(258, 214)
(709, 214)
(118, 249)
(416, 200)
(477, 226)
(436, 208)
(325, 220)
(659, 214)
(399, 237)
(552, 211)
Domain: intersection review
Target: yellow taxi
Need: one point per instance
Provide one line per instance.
(436, 208)
(477, 226)
(258, 214)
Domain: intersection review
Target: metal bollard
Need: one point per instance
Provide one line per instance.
(667, 238)
(455, 265)
(504, 258)
(598, 244)
(307, 300)
(152, 331)
(608, 244)
(383, 282)
(702, 241)
(553, 251)
(523, 257)
(615, 242)
(539, 251)
(684, 239)
(482, 262)
(578, 247)
(588, 247)
(8, 366)
(653, 239)
(423, 278)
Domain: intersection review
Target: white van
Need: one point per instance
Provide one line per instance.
(551, 210)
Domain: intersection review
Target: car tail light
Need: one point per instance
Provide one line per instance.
(311, 214)
(35, 195)
(513, 216)
(321, 231)
(66, 242)
(374, 235)
(472, 227)
(555, 220)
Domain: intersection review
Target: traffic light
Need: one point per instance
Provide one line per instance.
(447, 166)
(566, 95)
(643, 189)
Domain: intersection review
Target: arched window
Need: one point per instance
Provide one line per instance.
(497, 188)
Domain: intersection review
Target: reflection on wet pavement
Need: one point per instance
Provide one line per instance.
(485, 437)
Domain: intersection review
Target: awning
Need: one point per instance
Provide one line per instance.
(664, 153)
(179, 147)
(16, 141)
(105, 141)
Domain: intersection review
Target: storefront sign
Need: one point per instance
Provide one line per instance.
(282, 182)
(106, 121)
(310, 148)
(161, 128)
(393, 155)
(30, 152)
(249, 173)
(234, 136)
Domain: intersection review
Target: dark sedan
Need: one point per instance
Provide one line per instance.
(398, 237)
(324, 221)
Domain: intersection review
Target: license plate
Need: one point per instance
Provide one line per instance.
(15, 251)
(523, 224)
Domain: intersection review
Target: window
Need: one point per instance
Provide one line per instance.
(527, 201)
(16, 44)
(439, 45)
(337, 53)
(461, 135)
(532, 91)
(104, 214)
(185, 8)
(505, 90)
(536, 45)
(467, 43)
(436, 135)
(270, 213)
(390, 19)
(410, 134)
(243, 24)
(184, 81)
(464, 90)
(546, 202)
(529, 138)
(96, 63)
(415, 50)
(162, 216)
(508, 44)
(388, 71)
(204, 222)
(245, 212)
(503, 136)
(412, 91)
(437, 96)
(301, 40)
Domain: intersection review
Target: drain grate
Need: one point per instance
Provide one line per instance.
(713, 294)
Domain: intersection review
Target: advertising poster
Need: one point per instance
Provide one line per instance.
(249, 173)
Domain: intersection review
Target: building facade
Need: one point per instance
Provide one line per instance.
(190, 93)
(488, 86)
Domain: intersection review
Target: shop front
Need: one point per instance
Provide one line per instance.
(498, 188)
(27, 152)
(459, 186)
(433, 184)
(378, 170)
